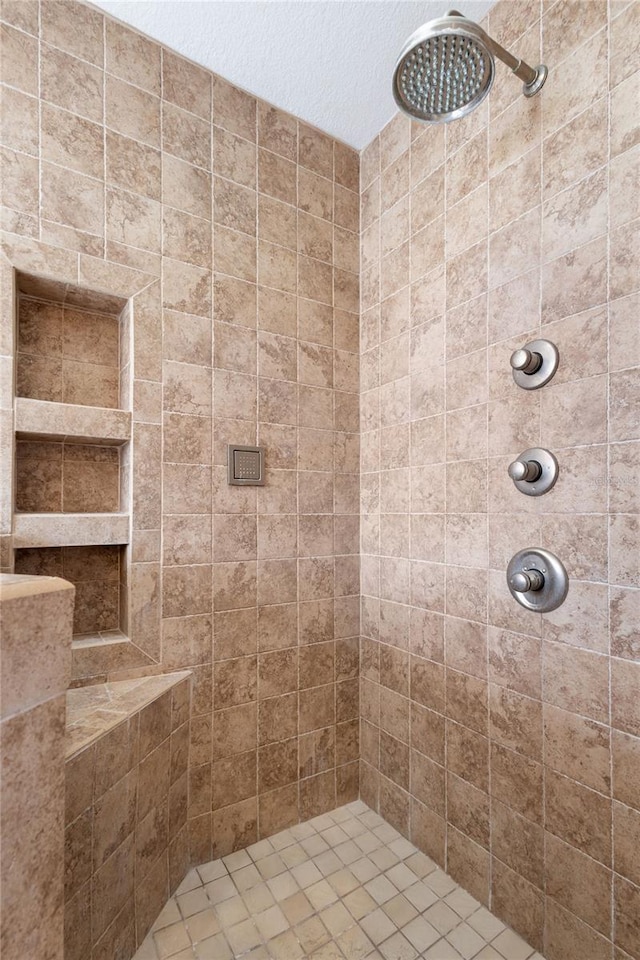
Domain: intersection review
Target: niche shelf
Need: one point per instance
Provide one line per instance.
(71, 422)
(70, 529)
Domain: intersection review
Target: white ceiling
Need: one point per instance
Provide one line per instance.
(330, 62)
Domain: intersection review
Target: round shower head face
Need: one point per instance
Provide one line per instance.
(445, 70)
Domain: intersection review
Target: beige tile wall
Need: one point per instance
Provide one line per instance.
(506, 744)
(125, 165)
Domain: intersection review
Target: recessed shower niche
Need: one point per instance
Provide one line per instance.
(69, 343)
(98, 574)
(72, 492)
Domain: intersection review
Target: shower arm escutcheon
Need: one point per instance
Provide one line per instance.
(533, 78)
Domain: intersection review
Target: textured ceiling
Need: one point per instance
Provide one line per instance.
(330, 62)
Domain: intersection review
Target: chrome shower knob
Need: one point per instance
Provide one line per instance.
(528, 470)
(523, 582)
(534, 472)
(534, 364)
(526, 361)
(537, 580)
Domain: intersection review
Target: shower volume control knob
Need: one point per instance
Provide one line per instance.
(526, 361)
(534, 472)
(537, 579)
(523, 582)
(528, 470)
(534, 364)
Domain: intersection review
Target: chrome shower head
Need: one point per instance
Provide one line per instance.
(446, 69)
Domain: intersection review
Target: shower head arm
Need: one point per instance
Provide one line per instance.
(532, 78)
(521, 69)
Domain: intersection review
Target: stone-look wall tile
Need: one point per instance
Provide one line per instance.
(527, 259)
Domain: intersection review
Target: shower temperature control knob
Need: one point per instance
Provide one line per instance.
(537, 580)
(534, 472)
(534, 364)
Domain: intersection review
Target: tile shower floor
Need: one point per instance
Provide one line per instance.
(343, 885)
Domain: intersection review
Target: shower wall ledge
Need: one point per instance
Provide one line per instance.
(70, 529)
(45, 420)
(95, 709)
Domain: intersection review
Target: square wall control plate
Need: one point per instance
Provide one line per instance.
(245, 465)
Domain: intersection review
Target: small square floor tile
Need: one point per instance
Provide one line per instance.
(294, 855)
(243, 936)
(203, 925)
(378, 926)
(212, 871)
(401, 876)
(383, 858)
(296, 908)
(420, 933)
(231, 911)
(272, 922)
(421, 865)
(306, 874)
(511, 946)
(380, 889)
(258, 898)
(285, 947)
(359, 903)
(364, 869)
(400, 910)
(442, 917)
(193, 902)
(462, 902)
(260, 849)
(330, 951)
(284, 885)
(398, 947)
(222, 889)
(422, 896)
(355, 944)
(327, 863)
(321, 894)
(368, 842)
(336, 919)
(271, 866)
(312, 934)
(215, 947)
(466, 941)
(442, 950)
(484, 923)
(247, 877)
(235, 861)
(171, 939)
(440, 883)
(343, 881)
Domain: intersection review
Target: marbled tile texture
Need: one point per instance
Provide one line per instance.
(232, 230)
(506, 744)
